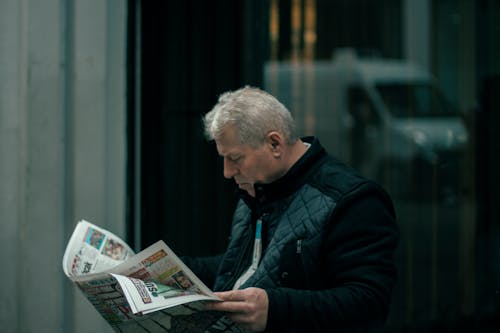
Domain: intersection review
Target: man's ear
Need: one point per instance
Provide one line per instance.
(275, 142)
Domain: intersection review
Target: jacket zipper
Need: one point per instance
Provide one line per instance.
(302, 262)
(238, 271)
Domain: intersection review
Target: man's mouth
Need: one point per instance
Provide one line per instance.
(245, 186)
(241, 184)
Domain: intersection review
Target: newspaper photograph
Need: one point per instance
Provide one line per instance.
(152, 291)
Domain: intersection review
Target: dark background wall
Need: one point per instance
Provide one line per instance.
(191, 52)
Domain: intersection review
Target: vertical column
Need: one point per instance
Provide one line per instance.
(98, 127)
(12, 152)
(417, 27)
(37, 149)
(62, 130)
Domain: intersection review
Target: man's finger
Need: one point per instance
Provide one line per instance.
(231, 296)
(228, 306)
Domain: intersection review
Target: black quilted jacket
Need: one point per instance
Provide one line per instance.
(328, 241)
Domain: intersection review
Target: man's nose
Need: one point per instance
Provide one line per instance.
(229, 169)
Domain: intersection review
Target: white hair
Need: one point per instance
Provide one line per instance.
(254, 113)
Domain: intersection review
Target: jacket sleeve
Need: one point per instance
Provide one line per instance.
(358, 274)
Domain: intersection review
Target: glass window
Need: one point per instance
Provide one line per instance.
(415, 100)
(404, 91)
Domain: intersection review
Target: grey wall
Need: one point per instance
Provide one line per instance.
(62, 151)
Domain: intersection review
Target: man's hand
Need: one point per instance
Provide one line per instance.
(248, 307)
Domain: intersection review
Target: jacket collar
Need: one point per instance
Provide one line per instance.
(291, 181)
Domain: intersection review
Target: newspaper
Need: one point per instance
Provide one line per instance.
(152, 291)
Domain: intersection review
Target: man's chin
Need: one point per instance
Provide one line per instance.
(247, 188)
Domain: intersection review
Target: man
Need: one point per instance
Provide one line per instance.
(312, 242)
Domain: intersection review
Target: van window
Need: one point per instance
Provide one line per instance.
(415, 100)
(360, 106)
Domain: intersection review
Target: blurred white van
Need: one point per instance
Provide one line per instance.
(387, 118)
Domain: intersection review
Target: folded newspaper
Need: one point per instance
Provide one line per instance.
(152, 291)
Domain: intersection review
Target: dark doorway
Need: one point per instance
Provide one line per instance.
(182, 56)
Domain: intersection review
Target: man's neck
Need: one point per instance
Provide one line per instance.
(297, 150)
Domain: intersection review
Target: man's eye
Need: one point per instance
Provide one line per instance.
(234, 159)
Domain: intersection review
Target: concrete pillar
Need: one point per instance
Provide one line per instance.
(62, 143)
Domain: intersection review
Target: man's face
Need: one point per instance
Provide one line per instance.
(245, 164)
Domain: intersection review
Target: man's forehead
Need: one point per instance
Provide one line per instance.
(226, 147)
(228, 142)
(227, 133)
(226, 137)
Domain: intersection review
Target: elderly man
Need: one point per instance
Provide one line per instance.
(312, 242)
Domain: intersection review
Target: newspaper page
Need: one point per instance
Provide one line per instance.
(92, 249)
(152, 291)
(106, 294)
(156, 278)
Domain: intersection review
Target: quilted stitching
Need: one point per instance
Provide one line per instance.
(303, 219)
